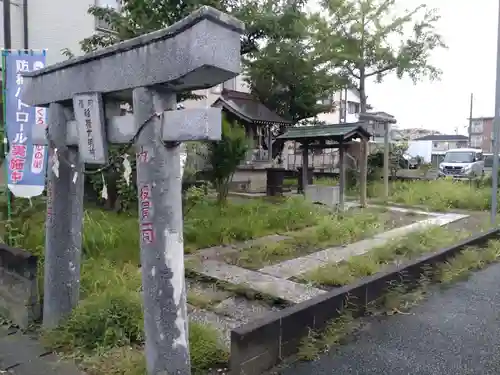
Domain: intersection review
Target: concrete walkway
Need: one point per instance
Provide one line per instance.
(273, 280)
(456, 331)
(23, 355)
(298, 266)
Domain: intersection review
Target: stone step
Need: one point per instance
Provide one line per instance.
(218, 251)
(285, 290)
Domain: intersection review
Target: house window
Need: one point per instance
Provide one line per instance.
(476, 141)
(352, 107)
(477, 127)
(100, 24)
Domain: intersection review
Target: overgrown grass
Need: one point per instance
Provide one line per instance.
(105, 331)
(332, 230)
(116, 236)
(411, 246)
(399, 298)
(211, 225)
(438, 195)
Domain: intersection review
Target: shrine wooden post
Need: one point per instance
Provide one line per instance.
(386, 121)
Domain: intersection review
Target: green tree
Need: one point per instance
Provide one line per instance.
(379, 42)
(287, 74)
(138, 17)
(225, 155)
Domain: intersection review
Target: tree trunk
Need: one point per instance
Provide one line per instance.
(362, 90)
(362, 68)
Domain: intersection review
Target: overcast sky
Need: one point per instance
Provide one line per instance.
(470, 30)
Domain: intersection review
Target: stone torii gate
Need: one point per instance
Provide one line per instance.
(83, 96)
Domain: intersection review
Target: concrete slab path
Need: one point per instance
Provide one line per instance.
(298, 266)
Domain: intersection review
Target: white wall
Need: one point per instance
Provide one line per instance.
(333, 117)
(16, 24)
(420, 148)
(52, 25)
(447, 145)
(211, 95)
(58, 24)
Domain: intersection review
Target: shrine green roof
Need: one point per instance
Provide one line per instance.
(337, 132)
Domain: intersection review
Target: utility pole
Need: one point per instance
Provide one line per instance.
(470, 118)
(496, 134)
(7, 37)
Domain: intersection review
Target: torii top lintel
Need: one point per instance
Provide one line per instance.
(198, 52)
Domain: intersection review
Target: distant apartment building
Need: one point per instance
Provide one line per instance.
(482, 133)
(444, 142)
(342, 107)
(433, 147)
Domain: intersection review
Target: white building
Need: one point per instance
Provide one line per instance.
(52, 25)
(338, 103)
(433, 147)
(212, 94)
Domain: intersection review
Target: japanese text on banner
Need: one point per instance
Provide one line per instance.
(26, 162)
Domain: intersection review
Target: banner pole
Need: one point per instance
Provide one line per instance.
(5, 142)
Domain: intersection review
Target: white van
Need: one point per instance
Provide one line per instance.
(462, 163)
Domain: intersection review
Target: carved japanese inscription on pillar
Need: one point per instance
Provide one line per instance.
(89, 117)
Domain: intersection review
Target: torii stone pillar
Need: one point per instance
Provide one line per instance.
(63, 225)
(198, 52)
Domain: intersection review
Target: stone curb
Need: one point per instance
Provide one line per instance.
(263, 343)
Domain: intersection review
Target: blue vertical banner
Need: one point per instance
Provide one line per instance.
(26, 163)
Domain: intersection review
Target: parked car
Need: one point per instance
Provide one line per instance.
(462, 163)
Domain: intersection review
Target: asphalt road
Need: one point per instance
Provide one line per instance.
(455, 331)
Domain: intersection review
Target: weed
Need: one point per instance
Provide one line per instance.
(467, 261)
(399, 297)
(198, 298)
(116, 236)
(411, 246)
(335, 332)
(125, 360)
(215, 225)
(438, 195)
(331, 230)
(206, 353)
(112, 322)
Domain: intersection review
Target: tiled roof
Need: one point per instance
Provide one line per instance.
(443, 137)
(247, 107)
